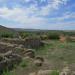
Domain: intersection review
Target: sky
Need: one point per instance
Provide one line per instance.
(38, 14)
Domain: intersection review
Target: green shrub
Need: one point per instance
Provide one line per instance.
(7, 34)
(43, 37)
(6, 72)
(53, 36)
(24, 64)
(54, 73)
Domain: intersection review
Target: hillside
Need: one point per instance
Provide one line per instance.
(2, 28)
(22, 53)
(4, 32)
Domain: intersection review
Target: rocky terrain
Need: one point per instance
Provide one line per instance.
(30, 53)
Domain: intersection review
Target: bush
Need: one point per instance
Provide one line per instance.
(44, 37)
(53, 36)
(6, 35)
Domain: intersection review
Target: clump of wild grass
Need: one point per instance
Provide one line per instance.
(54, 72)
(24, 64)
(6, 72)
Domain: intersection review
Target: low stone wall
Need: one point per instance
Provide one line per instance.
(12, 41)
(27, 43)
(4, 48)
(33, 43)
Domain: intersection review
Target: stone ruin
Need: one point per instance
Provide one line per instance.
(12, 41)
(27, 43)
(8, 60)
(42, 72)
(39, 61)
(4, 48)
(29, 53)
(33, 43)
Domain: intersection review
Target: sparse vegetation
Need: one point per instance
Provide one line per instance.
(7, 73)
(54, 73)
(6, 34)
(24, 63)
(46, 44)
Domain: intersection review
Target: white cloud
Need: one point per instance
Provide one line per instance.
(52, 5)
(56, 3)
(32, 16)
(66, 15)
(21, 15)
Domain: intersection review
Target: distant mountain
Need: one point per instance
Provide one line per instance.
(42, 30)
(22, 29)
(16, 30)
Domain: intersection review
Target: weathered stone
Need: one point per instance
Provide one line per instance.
(66, 71)
(42, 72)
(4, 48)
(8, 60)
(30, 53)
(13, 41)
(33, 43)
(39, 61)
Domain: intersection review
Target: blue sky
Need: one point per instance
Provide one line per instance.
(38, 14)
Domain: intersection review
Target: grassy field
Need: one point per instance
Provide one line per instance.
(56, 55)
